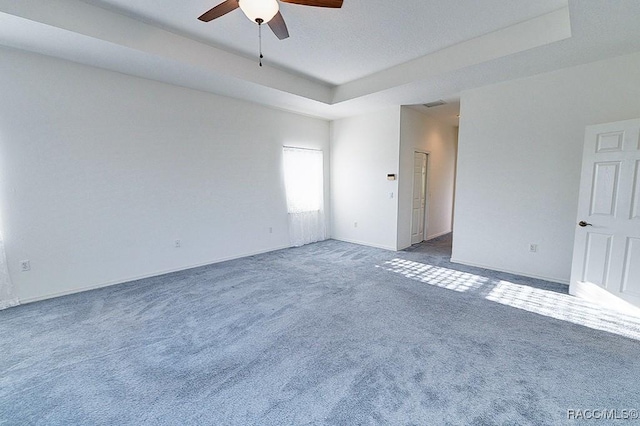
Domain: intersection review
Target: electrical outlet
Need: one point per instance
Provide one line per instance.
(176, 244)
(533, 248)
(25, 265)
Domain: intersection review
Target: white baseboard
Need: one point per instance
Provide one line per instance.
(508, 271)
(6, 304)
(431, 237)
(140, 277)
(440, 234)
(362, 243)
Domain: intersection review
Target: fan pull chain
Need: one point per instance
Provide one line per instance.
(260, 21)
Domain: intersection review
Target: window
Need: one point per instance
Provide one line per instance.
(304, 183)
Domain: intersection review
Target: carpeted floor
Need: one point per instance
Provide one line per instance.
(330, 333)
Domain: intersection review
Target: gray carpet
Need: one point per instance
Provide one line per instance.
(330, 333)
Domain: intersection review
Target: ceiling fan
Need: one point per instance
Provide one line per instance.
(264, 11)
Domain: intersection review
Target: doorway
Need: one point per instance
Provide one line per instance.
(419, 204)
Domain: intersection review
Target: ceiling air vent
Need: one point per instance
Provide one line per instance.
(435, 104)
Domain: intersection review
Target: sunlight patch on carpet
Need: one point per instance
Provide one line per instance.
(540, 301)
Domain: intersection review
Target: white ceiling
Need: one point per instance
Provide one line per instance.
(340, 45)
(368, 55)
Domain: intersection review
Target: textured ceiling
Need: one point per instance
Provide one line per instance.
(368, 55)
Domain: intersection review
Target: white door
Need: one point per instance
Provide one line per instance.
(606, 254)
(419, 197)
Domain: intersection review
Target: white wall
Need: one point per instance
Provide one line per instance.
(100, 172)
(364, 149)
(520, 149)
(427, 134)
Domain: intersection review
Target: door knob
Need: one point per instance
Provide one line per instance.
(583, 223)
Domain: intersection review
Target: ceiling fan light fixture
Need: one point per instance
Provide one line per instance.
(263, 10)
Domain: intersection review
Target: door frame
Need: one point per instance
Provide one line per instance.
(426, 195)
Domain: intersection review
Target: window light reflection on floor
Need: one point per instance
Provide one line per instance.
(537, 300)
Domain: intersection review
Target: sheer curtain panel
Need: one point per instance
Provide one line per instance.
(303, 173)
(7, 296)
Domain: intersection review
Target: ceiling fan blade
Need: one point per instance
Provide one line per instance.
(317, 3)
(221, 9)
(278, 26)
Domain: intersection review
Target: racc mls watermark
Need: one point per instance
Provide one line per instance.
(603, 414)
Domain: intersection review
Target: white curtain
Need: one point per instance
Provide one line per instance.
(7, 296)
(304, 183)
